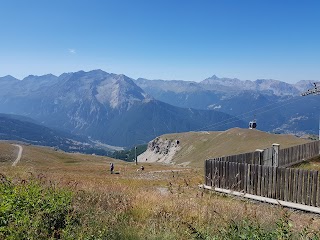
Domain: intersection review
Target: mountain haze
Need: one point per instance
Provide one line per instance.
(276, 105)
(107, 107)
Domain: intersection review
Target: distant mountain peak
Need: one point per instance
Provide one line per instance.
(40, 77)
(214, 77)
(9, 78)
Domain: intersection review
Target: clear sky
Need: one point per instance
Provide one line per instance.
(162, 39)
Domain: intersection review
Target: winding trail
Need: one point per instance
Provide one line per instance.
(19, 155)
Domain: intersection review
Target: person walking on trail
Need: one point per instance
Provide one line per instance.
(111, 168)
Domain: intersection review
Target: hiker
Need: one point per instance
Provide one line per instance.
(111, 167)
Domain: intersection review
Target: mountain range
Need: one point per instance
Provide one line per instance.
(277, 106)
(106, 107)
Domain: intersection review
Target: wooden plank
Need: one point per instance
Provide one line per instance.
(235, 180)
(281, 159)
(294, 185)
(314, 188)
(259, 180)
(232, 175)
(241, 177)
(226, 175)
(216, 173)
(211, 170)
(267, 181)
(304, 186)
(310, 173)
(293, 173)
(223, 176)
(255, 180)
(229, 175)
(262, 188)
(307, 189)
(278, 183)
(245, 177)
(218, 163)
(300, 186)
(219, 170)
(249, 178)
(252, 178)
(270, 178)
(285, 152)
(263, 175)
(286, 183)
(249, 186)
(281, 183)
(274, 182)
(208, 173)
(209, 167)
(238, 177)
(289, 195)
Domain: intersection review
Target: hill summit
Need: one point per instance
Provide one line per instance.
(192, 148)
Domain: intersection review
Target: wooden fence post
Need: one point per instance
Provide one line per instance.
(275, 154)
(260, 152)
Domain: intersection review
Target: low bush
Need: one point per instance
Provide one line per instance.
(29, 210)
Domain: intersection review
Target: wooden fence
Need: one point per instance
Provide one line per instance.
(275, 156)
(287, 184)
(296, 154)
(250, 158)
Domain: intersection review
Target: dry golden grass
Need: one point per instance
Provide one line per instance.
(160, 199)
(7, 152)
(312, 164)
(199, 146)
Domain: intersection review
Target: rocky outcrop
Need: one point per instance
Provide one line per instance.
(160, 150)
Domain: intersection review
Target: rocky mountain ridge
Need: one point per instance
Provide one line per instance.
(276, 105)
(107, 107)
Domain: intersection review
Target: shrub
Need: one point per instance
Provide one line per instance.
(29, 210)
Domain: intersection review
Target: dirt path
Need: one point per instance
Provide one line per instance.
(19, 154)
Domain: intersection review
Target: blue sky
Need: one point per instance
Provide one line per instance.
(162, 39)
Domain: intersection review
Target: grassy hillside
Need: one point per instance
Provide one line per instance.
(161, 202)
(20, 128)
(198, 146)
(313, 164)
(7, 152)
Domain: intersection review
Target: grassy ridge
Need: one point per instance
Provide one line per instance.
(198, 146)
(7, 152)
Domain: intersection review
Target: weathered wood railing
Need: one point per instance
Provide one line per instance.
(275, 156)
(287, 184)
(296, 154)
(264, 173)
